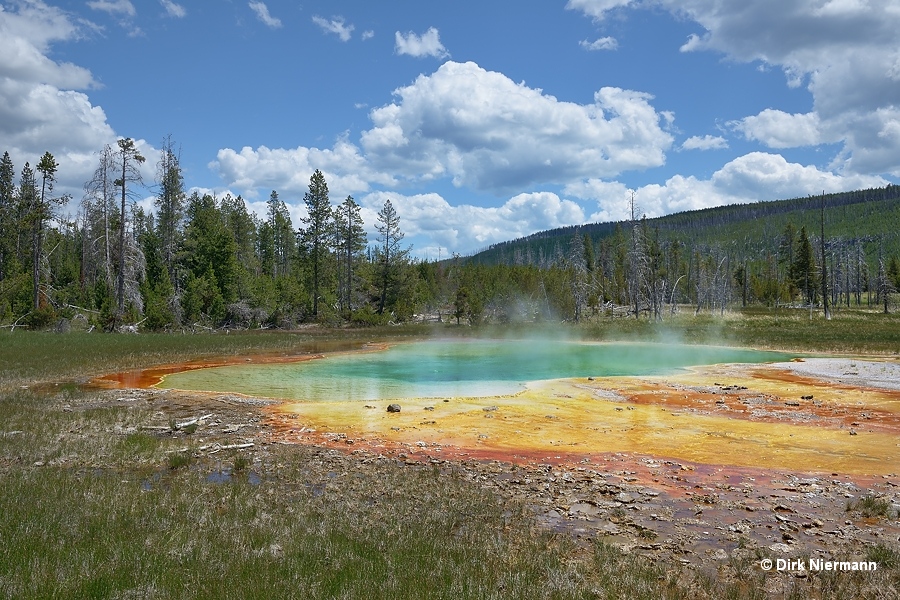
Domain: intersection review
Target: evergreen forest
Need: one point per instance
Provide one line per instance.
(202, 262)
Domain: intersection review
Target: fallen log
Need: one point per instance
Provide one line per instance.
(219, 448)
(188, 423)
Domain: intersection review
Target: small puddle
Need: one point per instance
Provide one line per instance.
(226, 476)
(219, 477)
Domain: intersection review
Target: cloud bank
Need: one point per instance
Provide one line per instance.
(844, 51)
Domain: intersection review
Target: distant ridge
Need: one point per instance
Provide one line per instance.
(871, 216)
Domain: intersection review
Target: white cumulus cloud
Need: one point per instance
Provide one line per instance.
(778, 129)
(427, 44)
(483, 130)
(42, 105)
(764, 176)
(288, 170)
(707, 142)
(754, 177)
(25, 39)
(465, 228)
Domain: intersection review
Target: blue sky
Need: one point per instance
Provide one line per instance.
(481, 121)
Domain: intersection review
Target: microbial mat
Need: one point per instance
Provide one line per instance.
(564, 401)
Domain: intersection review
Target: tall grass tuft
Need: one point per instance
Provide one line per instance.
(870, 506)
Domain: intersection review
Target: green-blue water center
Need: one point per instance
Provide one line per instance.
(453, 368)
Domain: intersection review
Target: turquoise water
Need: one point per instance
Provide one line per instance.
(442, 368)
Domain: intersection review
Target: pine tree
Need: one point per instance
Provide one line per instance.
(350, 241)
(656, 275)
(282, 235)
(39, 215)
(169, 203)
(390, 255)
(824, 268)
(803, 269)
(27, 201)
(156, 287)
(787, 245)
(211, 260)
(637, 259)
(883, 284)
(619, 259)
(461, 303)
(265, 249)
(589, 259)
(243, 228)
(577, 262)
(316, 236)
(7, 213)
(787, 248)
(893, 273)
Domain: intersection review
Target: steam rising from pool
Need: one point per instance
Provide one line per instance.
(451, 368)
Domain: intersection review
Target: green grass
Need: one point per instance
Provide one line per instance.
(28, 357)
(886, 556)
(178, 460)
(190, 538)
(849, 330)
(240, 464)
(871, 506)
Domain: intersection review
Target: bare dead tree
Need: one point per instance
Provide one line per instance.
(637, 260)
(824, 267)
(98, 206)
(580, 282)
(129, 159)
(860, 266)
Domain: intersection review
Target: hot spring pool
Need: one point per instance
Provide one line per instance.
(453, 368)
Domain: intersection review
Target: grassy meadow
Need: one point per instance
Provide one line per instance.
(95, 505)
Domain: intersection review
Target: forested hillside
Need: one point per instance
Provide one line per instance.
(871, 216)
(201, 262)
(766, 252)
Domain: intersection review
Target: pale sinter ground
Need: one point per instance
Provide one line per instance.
(865, 373)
